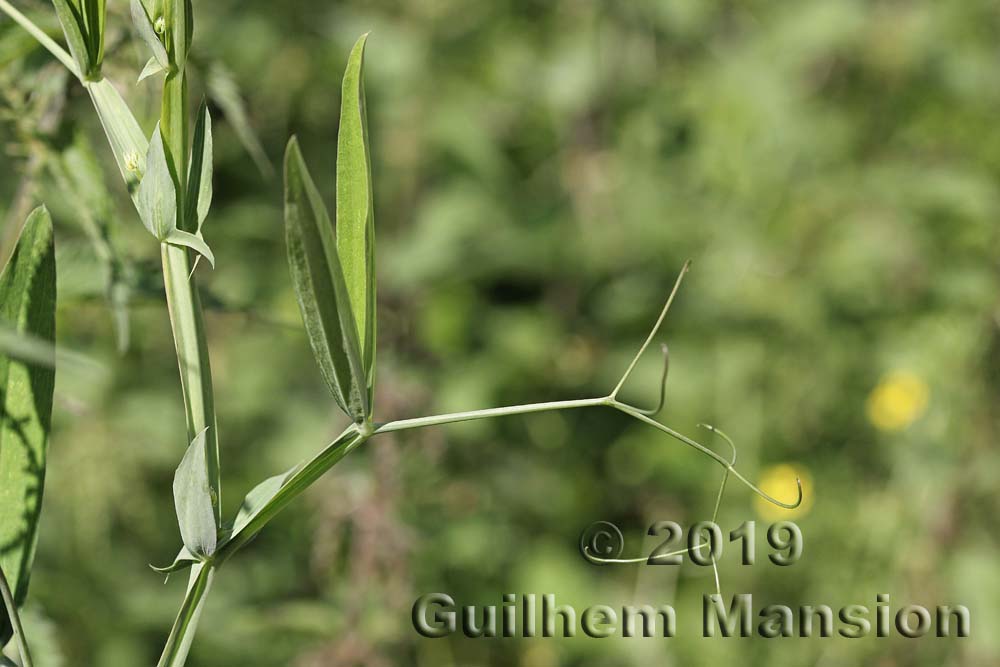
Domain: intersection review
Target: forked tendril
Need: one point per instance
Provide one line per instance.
(646, 415)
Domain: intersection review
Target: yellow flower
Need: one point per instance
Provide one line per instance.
(899, 399)
(779, 481)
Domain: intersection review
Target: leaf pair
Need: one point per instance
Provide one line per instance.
(259, 506)
(333, 269)
(27, 307)
(82, 22)
(156, 197)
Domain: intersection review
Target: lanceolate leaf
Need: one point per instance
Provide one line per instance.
(355, 214)
(127, 140)
(27, 306)
(157, 197)
(199, 195)
(319, 286)
(193, 500)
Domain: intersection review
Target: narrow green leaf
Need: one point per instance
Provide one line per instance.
(144, 26)
(355, 211)
(258, 500)
(128, 142)
(93, 21)
(193, 500)
(157, 196)
(319, 286)
(194, 241)
(73, 28)
(152, 68)
(27, 306)
(101, 20)
(199, 195)
(270, 498)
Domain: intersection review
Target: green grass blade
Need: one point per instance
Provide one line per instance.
(319, 286)
(93, 21)
(193, 500)
(27, 305)
(73, 26)
(102, 12)
(199, 198)
(355, 211)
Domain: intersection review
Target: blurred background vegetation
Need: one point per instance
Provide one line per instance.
(542, 171)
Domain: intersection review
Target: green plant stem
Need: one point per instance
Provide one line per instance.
(355, 435)
(178, 644)
(191, 344)
(183, 301)
(190, 339)
(451, 418)
(15, 621)
(50, 44)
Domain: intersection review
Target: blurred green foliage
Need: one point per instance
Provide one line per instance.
(542, 170)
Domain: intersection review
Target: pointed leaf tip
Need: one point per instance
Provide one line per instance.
(355, 210)
(200, 170)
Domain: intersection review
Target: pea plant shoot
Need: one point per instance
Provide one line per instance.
(168, 175)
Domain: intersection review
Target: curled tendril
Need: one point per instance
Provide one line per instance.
(634, 412)
(663, 383)
(732, 445)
